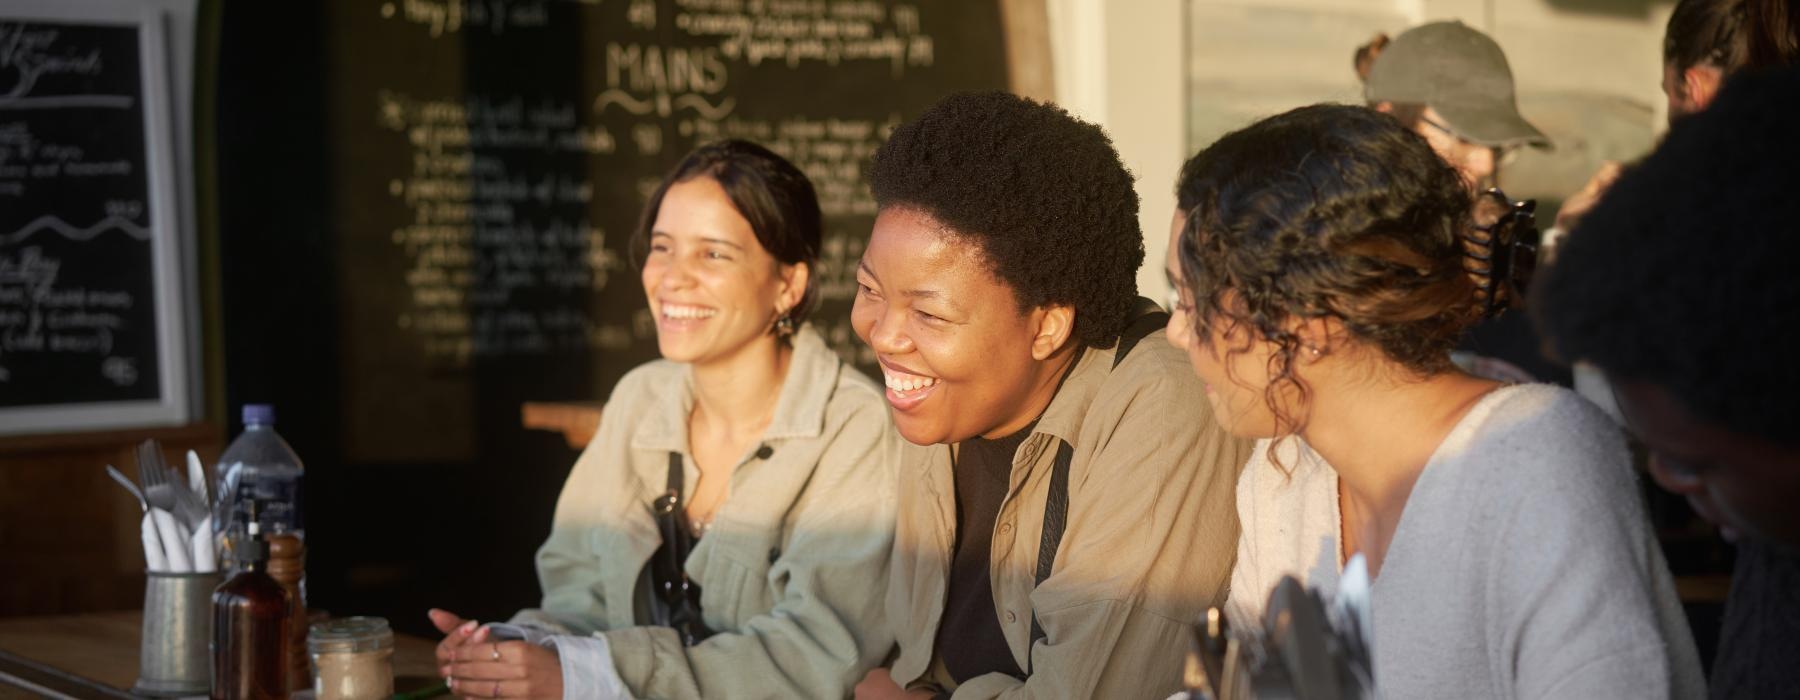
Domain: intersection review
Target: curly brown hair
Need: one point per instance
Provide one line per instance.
(1327, 211)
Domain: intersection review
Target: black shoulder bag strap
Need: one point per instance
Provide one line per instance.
(680, 595)
(1147, 317)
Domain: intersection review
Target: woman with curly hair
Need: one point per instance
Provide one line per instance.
(1320, 281)
(1065, 506)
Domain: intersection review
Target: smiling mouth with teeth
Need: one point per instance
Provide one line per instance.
(681, 312)
(906, 383)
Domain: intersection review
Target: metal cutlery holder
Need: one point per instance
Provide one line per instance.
(175, 658)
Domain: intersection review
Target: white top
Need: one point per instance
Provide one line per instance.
(1523, 565)
(1289, 516)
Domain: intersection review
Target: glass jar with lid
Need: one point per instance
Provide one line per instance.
(352, 658)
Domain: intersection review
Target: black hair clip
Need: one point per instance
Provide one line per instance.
(1502, 250)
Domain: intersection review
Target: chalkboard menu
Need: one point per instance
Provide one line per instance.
(91, 314)
(492, 158)
(424, 208)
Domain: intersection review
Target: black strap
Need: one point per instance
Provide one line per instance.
(1056, 520)
(679, 597)
(1147, 319)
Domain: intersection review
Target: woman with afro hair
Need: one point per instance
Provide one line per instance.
(1065, 505)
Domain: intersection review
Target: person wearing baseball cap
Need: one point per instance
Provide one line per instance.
(1451, 84)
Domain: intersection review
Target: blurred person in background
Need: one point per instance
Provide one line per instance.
(726, 532)
(1453, 86)
(1705, 41)
(1680, 286)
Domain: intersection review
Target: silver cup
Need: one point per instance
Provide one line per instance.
(175, 658)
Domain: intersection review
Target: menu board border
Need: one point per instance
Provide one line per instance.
(174, 404)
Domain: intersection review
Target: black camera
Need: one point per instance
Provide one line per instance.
(1304, 650)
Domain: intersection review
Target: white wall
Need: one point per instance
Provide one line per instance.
(1118, 64)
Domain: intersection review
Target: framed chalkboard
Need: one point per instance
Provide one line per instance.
(93, 318)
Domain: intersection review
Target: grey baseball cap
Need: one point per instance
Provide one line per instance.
(1460, 73)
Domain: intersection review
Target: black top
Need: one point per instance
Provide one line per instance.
(969, 638)
(1512, 337)
(1760, 640)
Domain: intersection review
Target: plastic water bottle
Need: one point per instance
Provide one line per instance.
(258, 466)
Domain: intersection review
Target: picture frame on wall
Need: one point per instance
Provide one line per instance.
(95, 298)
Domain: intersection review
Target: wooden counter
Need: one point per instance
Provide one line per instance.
(96, 656)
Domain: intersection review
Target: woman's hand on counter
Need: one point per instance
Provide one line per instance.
(476, 666)
(457, 632)
(515, 669)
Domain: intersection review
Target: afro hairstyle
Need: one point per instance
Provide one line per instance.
(1042, 194)
(1686, 275)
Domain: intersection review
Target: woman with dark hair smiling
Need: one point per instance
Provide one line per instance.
(1065, 508)
(726, 533)
(1321, 280)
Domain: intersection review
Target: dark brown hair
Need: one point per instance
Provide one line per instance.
(1367, 53)
(1707, 32)
(1774, 28)
(1328, 211)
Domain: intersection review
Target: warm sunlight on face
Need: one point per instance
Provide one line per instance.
(954, 348)
(712, 287)
(1234, 366)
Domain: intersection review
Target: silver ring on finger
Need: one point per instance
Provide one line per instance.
(496, 657)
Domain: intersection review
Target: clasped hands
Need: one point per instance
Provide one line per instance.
(477, 666)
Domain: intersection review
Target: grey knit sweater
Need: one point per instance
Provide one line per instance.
(1523, 566)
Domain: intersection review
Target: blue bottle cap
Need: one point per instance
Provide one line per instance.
(259, 414)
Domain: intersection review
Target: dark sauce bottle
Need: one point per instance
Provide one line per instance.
(251, 614)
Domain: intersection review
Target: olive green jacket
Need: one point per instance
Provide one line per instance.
(792, 570)
(1150, 538)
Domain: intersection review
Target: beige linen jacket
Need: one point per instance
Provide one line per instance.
(1151, 535)
(793, 568)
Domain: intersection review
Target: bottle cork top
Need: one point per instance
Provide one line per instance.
(284, 546)
(286, 558)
